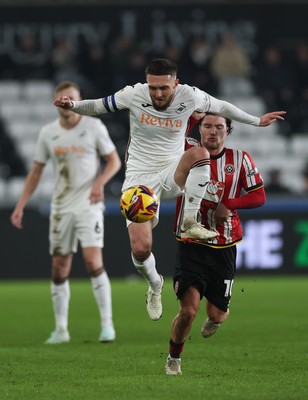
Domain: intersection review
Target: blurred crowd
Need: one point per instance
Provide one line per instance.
(278, 75)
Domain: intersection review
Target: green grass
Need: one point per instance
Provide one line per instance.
(260, 353)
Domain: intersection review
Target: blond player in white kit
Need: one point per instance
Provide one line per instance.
(75, 144)
(159, 111)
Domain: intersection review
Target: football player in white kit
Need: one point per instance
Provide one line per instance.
(159, 111)
(75, 144)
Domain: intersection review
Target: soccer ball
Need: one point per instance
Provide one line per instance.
(139, 204)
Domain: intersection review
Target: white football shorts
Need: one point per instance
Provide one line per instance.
(66, 230)
(162, 182)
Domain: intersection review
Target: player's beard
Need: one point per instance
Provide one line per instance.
(163, 106)
(160, 108)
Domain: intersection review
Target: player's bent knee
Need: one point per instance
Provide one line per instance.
(188, 313)
(218, 316)
(199, 153)
(96, 272)
(58, 280)
(141, 254)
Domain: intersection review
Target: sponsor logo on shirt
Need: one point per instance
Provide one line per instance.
(160, 122)
(192, 142)
(97, 228)
(252, 172)
(214, 187)
(71, 149)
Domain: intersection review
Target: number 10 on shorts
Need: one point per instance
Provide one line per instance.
(229, 285)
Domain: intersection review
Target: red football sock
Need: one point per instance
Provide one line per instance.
(175, 349)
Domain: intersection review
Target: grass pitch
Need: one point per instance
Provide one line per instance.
(260, 353)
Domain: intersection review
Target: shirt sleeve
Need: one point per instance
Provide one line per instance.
(250, 175)
(117, 101)
(252, 182)
(41, 153)
(253, 199)
(229, 110)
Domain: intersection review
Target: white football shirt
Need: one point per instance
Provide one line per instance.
(156, 137)
(75, 155)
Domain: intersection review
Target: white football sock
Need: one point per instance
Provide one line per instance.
(148, 270)
(60, 299)
(102, 293)
(195, 187)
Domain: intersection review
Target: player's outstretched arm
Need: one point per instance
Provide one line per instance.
(269, 118)
(229, 110)
(82, 107)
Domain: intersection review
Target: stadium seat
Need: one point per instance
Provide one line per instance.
(26, 149)
(299, 145)
(14, 189)
(41, 111)
(258, 141)
(253, 104)
(10, 90)
(38, 90)
(23, 130)
(235, 86)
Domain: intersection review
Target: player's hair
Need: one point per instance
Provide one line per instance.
(161, 66)
(228, 121)
(65, 85)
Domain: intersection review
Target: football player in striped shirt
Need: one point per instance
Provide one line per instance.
(207, 268)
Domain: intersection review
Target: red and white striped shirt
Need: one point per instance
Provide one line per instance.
(237, 170)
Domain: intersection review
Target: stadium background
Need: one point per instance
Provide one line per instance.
(276, 236)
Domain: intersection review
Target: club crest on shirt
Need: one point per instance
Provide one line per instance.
(229, 169)
(181, 108)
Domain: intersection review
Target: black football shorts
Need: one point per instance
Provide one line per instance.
(210, 270)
